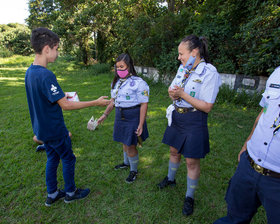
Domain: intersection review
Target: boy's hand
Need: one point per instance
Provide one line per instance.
(102, 102)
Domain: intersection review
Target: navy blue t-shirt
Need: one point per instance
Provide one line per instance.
(43, 92)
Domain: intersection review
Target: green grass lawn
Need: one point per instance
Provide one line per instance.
(22, 170)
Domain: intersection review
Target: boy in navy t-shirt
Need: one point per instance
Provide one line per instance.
(46, 101)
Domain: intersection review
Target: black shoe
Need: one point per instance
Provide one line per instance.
(61, 194)
(188, 206)
(121, 166)
(132, 177)
(40, 148)
(165, 182)
(79, 194)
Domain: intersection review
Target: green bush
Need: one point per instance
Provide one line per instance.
(16, 38)
(4, 52)
(227, 95)
(98, 69)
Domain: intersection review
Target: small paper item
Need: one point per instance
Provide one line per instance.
(72, 96)
(92, 124)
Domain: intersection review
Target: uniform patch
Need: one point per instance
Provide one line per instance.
(276, 86)
(127, 97)
(181, 70)
(197, 80)
(192, 93)
(178, 76)
(145, 93)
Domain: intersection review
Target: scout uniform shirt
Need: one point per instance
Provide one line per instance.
(133, 91)
(264, 145)
(203, 83)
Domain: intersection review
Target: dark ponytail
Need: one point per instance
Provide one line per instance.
(194, 42)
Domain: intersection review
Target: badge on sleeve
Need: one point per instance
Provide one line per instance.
(145, 93)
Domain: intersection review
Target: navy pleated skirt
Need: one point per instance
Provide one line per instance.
(188, 133)
(126, 123)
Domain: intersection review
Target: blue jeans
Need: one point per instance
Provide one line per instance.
(247, 191)
(56, 150)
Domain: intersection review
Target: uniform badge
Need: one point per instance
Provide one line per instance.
(178, 76)
(145, 93)
(127, 97)
(192, 93)
(181, 70)
(276, 86)
(197, 80)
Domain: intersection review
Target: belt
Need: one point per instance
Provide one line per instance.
(182, 110)
(262, 170)
(127, 108)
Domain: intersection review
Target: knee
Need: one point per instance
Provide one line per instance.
(192, 165)
(175, 155)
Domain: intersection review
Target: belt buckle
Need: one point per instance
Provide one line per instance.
(258, 168)
(180, 110)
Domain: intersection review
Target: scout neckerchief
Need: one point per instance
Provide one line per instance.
(275, 126)
(120, 83)
(186, 76)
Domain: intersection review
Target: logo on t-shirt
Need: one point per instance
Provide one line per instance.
(54, 89)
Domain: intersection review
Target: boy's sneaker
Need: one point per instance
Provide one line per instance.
(40, 148)
(79, 194)
(131, 177)
(165, 182)
(121, 166)
(61, 194)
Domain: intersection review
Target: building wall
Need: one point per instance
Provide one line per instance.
(250, 84)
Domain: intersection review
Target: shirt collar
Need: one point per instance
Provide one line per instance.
(200, 68)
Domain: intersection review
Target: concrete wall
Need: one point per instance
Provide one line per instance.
(250, 84)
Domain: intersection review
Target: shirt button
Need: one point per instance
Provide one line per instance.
(268, 97)
(278, 105)
(265, 143)
(259, 160)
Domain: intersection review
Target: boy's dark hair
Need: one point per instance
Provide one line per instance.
(125, 57)
(40, 37)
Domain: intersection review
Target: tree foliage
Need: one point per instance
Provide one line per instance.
(14, 39)
(243, 36)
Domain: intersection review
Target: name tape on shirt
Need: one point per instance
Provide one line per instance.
(276, 86)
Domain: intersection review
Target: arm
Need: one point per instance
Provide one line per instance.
(71, 105)
(106, 113)
(244, 147)
(143, 112)
(196, 103)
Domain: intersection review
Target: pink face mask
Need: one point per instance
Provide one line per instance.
(122, 73)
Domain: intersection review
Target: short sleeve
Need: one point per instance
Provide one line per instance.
(51, 88)
(143, 92)
(210, 88)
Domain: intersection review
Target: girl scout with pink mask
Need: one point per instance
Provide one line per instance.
(193, 92)
(130, 97)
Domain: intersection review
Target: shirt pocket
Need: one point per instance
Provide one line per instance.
(129, 95)
(272, 105)
(194, 85)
